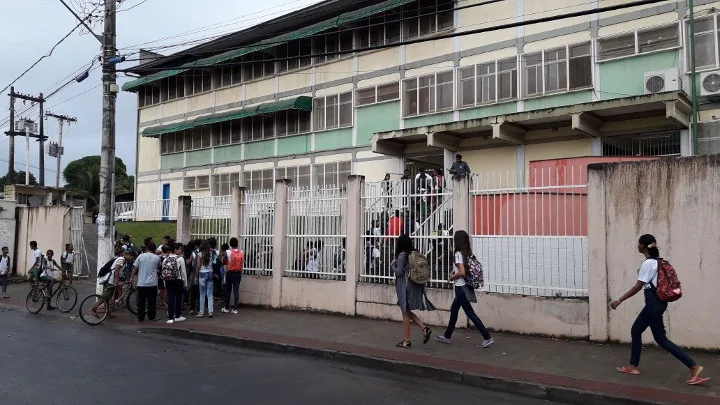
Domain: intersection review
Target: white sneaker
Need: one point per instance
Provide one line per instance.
(487, 343)
(224, 311)
(170, 321)
(234, 311)
(442, 339)
(200, 315)
(180, 319)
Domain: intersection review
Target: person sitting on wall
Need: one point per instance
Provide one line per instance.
(459, 168)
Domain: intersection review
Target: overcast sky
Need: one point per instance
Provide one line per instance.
(144, 21)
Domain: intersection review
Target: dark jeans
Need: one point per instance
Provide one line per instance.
(232, 283)
(652, 316)
(461, 301)
(174, 290)
(147, 295)
(4, 282)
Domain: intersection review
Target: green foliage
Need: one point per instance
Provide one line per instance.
(16, 178)
(83, 177)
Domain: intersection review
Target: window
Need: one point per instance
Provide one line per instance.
(327, 46)
(427, 17)
(198, 138)
(380, 29)
(428, 94)
(639, 42)
(298, 53)
(331, 174)
(330, 112)
(150, 95)
(292, 122)
(198, 81)
(259, 179)
(172, 88)
(706, 39)
(230, 75)
(222, 133)
(171, 143)
(557, 70)
(222, 184)
(377, 94)
(196, 183)
(658, 144)
(299, 175)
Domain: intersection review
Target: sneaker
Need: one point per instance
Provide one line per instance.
(234, 311)
(210, 315)
(170, 321)
(486, 343)
(225, 311)
(199, 315)
(442, 339)
(180, 319)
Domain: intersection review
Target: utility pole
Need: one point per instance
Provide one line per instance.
(11, 158)
(41, 143)
(62, 119)
(107, 149)
(16, 131)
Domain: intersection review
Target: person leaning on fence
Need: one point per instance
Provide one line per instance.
(411, 296)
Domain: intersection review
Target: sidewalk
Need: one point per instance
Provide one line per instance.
(542, 367)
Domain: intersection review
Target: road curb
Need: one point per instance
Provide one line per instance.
(489, 382)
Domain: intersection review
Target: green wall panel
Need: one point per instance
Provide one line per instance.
(260, 149)
(376, 118)
(626, 77)
(228, 154)
(174, 161)
(488, 111)
(337, 139)
(429, 120)
(294, 145)
(558, 100)
(199, 157)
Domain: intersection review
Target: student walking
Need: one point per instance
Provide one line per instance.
(411, 296)
(174, 274)
(464, 294)
(233, 275)
(145, 274)
(652, 314)
(4, 270)
(204, 278)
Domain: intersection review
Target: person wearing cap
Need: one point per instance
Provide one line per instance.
(459, 168)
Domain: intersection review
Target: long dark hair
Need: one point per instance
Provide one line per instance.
(403, 245)
(462, 243)
(205, 254)
(650, 243)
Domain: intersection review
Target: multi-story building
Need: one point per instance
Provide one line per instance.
(372, 87)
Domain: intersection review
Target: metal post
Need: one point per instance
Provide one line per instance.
(693, 81)
(107, 152)
(41, 142)
(11, 158)
(59, 157)
(27, 154)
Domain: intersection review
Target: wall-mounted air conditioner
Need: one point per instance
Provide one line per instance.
(709, 83)
(662, 81)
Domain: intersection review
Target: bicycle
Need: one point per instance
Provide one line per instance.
(65, 294)
(65, 297)
(96, 308)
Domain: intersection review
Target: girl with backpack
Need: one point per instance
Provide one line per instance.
(411, 296)
(652, 314)
(464, 294)
(204, 277)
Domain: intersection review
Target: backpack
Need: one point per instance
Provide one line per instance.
(170, 269)
(474, 276)
(106, 268)
(419, 270)
(668, 285)
(237, 258)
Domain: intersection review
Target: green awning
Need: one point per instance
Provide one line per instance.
(154, 132)
(302, 103)
(306, 32)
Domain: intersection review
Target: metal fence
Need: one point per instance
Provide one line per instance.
(258, 209)
(316, 232)
(155, 210)
(210, 218)
(532, 240)
(423, 211)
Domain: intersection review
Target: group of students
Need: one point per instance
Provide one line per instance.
(178, 273)
(44, 267)
(411, 297)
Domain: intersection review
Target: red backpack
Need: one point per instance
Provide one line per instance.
(668, 285)
(236, 260)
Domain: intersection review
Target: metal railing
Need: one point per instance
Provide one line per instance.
(155, 210)
(532, 240)
(258, 209)
(316, 232)
(210, 217)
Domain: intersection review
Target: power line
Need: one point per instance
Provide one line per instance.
(422, 40)
(132, 7)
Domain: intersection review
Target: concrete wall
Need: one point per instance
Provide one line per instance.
(7, 227)
(678, 201)
(49, 226)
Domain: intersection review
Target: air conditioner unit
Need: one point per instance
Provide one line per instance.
(709, 83)
(662, 81)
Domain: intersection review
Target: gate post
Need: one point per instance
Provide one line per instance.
(237, 219)
(184, 216)
(461, 203)
(353, 240)
(280, 259)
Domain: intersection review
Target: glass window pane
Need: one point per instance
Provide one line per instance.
(281, 122)
(410, 94)
(445, 90)
(388, 92)
(236, 131)
(331, 112)
(365, 96)
(466, 93)
(658, 38)
(268, 126)
(346, 110)
(189, 183)
(292, 122)
(426, 94)
(203, 182)
(257, 131)
(580, 65)
(704, 50)
(319, 113)
(304, 121)
(616, 47)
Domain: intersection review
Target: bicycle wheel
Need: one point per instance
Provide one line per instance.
(65, 299)
(35, 300)
(94, 309)
(131, 302)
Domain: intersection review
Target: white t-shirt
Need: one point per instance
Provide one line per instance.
(120, 261)
(649, 272)
(36, 257)
(4, 260)
(459, 282)
(69, 257)
(313, 262)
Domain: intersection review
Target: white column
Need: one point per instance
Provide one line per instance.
(461, 204)
(353, 241)
(280, 260)
(184, 217)
(686, 143)
(237, 219)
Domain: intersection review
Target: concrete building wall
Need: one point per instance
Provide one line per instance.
(675, 200)
(49, 226)
(7, 227)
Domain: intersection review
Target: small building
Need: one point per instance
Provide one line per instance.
(36, 196)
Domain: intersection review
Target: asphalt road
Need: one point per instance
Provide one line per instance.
(54, 360)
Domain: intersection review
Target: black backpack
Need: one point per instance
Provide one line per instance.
(106, 268)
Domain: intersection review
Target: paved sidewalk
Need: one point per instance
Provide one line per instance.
(548, 362)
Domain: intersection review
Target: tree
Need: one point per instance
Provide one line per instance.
(82, 176)
(16, 178)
